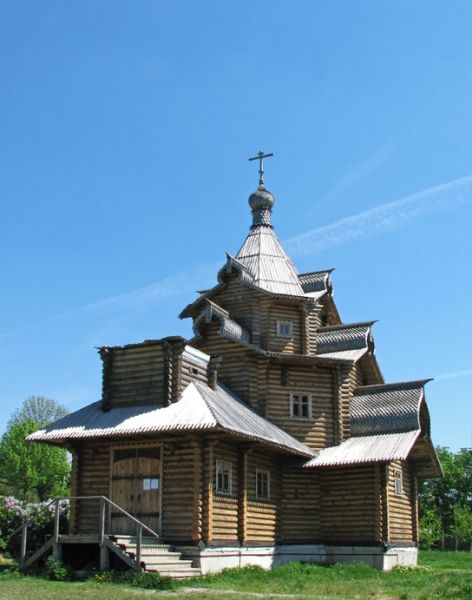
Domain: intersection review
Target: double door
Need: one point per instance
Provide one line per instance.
(136, 487)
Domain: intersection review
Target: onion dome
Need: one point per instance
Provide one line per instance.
(261, 202)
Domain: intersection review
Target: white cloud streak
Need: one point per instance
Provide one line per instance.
(454, 375)
(381, 219)
(360, 171)
(369, 223)
(181, 283)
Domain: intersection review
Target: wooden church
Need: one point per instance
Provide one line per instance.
(268, 437)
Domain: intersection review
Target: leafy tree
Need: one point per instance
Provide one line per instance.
(431, 529)
(33, 471)
(449, 497)
(461, 528)
(39, 409)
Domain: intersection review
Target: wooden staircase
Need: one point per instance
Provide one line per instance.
(139, 552)
(154, 556)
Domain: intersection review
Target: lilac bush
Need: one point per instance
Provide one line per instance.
(40, 517)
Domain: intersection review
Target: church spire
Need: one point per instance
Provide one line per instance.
(261, 201)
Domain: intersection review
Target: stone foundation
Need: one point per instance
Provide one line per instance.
(215, 559)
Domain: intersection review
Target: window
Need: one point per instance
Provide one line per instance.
(285, 328)
(223, 477)
(398, 479)
(150, 483)
(300, 406)
(262, 485)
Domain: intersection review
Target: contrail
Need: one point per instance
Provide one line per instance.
(453, 375)
(147, 295)
(381, 219)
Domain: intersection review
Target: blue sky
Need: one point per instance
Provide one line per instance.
(126, 128)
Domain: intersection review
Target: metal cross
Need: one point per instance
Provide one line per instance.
(260, 157)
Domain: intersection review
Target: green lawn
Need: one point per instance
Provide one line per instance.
(441, 575)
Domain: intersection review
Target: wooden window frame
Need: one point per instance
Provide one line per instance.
(293, 396)
(398, 482)
(281, 324)
(262, 473)
(222, 466)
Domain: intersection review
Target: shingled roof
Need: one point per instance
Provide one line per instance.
(345, 341)
(199, 409)
(385, 426)
(265, 259)
(316, 283)
(387, 408)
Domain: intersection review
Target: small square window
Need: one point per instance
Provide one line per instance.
(300, 406)
(223, 477)
(150, 483)
(262, 485)
(285, 328)
(398, 479)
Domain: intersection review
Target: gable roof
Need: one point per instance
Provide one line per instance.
(199, 409)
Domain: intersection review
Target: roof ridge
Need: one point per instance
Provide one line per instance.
(197, 386)
(320, 272)
(152, 342)
(380, 387)
(346, 326)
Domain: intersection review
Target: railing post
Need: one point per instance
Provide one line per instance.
(24, 537)
(139, 539)
(56, 522)
(102, 521)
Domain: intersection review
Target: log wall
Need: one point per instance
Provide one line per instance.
(300, 506)
(262, 515)
(238, 300)
(181, 487)
(284, 312)
(317, 432)
(93, 479)
(401, 508)
(349, 505)
(190, 371)
(134, 374)
(224, 516)
(179, 503)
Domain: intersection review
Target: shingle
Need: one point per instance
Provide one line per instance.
(342, 338)
(199, 409)
(386, 408)
(316, 281)
(272, 270)
(366, 449)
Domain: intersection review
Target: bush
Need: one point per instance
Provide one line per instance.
(55, 570)
(40, 516)
(147, 580)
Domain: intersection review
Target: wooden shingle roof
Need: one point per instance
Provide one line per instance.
(199, 409)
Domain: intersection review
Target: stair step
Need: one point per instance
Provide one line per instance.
(182, 574)
(146, 547)
(168, 565)
(152, 553)
(132, 538)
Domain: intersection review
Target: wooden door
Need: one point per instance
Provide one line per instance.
(135, 487)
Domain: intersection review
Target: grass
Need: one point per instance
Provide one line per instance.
(440, 576)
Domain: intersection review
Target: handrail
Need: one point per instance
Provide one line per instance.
(127, 514)
(103, 501)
